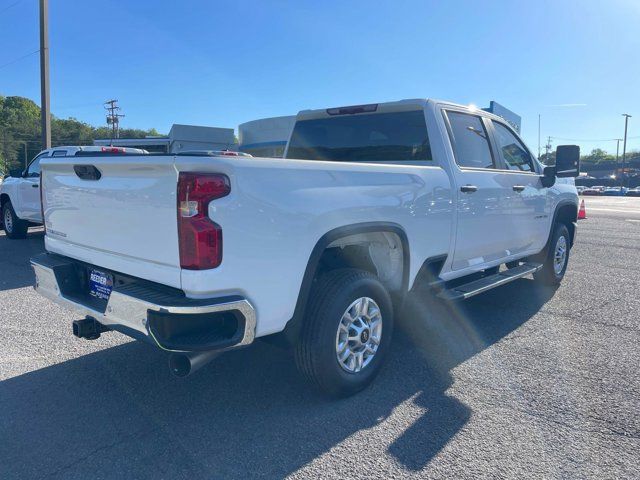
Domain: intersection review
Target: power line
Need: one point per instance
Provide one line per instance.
(19, 58)
(589, 140)
(10, 6)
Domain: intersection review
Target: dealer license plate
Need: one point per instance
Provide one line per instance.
(100, 284)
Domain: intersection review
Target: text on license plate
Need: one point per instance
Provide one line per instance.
(100, 284)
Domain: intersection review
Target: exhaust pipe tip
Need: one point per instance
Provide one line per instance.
(179, 365)
(184, 364)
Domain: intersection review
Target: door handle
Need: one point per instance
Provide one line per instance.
(468, 188)
(518, 188)
(35, 185)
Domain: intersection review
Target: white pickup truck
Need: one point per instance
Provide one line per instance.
(198, 254)
(20, 191)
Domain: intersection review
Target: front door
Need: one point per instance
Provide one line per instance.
(484, 228)
(29, 204)
(526, 199)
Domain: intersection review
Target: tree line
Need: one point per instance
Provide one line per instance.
(20, 137)
(599, 159)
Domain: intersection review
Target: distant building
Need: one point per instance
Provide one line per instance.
(181, 138)
(266, 137)
(511, 117)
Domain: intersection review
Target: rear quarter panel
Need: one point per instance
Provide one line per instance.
(278, 210)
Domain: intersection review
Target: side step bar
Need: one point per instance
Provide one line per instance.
(470, 289)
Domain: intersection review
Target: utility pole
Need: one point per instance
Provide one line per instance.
(547, 150)
(45, 106)
(538, 136)
(618, 140)
(624, 145)
(113, 117)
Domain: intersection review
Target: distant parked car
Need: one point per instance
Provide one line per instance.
(600, 188)
(615, 192)
(580, 189)
(591, 191)
(633, 192)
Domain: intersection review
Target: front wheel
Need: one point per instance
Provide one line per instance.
(346, 333)
(556, 260)
(13, 226)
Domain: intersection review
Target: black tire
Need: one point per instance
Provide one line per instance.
(316, 350)
(548, 275)
(15, 228)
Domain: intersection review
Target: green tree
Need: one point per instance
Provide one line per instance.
(598, 156)
(20, 132)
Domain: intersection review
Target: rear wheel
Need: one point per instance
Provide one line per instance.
(556, 259)
(346, 333)
(13, 226)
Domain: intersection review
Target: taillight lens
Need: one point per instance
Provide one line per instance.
(199, 237)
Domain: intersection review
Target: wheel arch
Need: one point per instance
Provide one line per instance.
(294, 325)
(4, 198)
(566, 212)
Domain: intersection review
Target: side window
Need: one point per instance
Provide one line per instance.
(59, 153)
(513, 152)
(470, 141)
(34, 167)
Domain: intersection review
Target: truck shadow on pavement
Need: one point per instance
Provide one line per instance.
(118, 413)
(21, 252)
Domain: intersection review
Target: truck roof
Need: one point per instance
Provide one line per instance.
(383, 107)
(400, 105)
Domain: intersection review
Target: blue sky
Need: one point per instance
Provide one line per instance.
(221, 63)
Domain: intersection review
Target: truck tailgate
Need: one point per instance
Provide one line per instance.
(125, 220)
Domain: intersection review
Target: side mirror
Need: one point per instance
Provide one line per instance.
(16, 173)
(548, 176)
(567, 161)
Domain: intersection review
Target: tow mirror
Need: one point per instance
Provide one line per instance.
(567, 161)
(16, 173)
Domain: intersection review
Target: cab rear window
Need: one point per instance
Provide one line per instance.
(378, 137)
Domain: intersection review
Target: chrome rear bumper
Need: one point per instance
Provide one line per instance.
(140, 310)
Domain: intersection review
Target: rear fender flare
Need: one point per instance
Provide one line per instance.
(295, 323)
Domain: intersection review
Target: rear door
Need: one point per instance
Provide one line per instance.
(526, 201)
(484, 228)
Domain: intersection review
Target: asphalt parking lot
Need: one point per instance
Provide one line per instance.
(521, 382)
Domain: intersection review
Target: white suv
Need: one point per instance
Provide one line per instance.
(20, 192)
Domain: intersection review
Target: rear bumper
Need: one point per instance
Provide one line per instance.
(146, 311)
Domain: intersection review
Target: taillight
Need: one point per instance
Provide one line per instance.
(199, 237)
(372, 107)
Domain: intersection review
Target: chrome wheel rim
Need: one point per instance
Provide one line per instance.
(359, 334)
(560, 255)
(8, 221)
